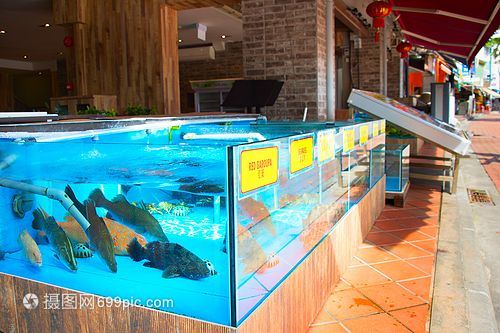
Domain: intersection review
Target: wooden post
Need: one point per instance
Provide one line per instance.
(455, 174)
(170, 61)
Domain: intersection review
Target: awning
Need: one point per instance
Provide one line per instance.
(459, 28)
(491, 92)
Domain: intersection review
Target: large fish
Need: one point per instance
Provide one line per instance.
(258, 214)
(29, 248)
(100, 238)
(58, 240)
(172, 258)
(120, 234)
(140, 220)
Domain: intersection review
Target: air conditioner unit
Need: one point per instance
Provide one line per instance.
(197, 53)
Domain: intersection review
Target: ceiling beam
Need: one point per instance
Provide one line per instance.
(439, 12)
(191, 4)
(433, 41)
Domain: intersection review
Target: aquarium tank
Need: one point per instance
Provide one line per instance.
(176, 214)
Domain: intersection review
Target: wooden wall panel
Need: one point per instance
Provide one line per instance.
(8, 304)
(170, 73)
(68, 11)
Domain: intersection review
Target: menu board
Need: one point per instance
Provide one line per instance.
(410, 119)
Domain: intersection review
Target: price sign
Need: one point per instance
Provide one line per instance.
(301, 153)
(363, 134)
(326, 146)
(382, 126)
(348, 140)
(258, 168)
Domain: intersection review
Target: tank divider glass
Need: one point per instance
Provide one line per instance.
(231, 237)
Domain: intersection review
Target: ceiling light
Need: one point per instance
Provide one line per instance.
(180, 40)
(2, 32)
(59, 53)
(25, 56)
(45, 25)
(39, 73)
(223, 36)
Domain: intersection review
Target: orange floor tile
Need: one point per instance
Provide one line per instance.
(388, 286)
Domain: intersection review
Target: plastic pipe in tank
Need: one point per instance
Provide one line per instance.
(225, 136)
(51, 193)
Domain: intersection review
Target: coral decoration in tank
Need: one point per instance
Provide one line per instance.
(378, 10)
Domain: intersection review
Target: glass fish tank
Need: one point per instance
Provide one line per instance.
(397, 167)
(174, 214)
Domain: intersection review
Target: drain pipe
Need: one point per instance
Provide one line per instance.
(50, 193)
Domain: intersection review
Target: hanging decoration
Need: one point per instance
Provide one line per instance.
(404, 47)
(68, 41)
(379, 10)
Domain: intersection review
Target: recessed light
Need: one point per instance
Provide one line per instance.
(39, 73)
(180, 40)
(59, 53)
(45, 25)
(3, 32)
(223, 36)
(25, 56)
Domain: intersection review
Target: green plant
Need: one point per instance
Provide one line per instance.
(92, 110)
(394, 131)
(139, 110)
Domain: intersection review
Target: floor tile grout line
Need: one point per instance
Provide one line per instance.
(417, 278)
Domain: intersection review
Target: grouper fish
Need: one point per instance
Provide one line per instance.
(29, 248)
(100, 238)
(140, 220)
(58, 240)
(173, 259)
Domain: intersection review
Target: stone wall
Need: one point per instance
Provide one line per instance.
(227, 64)
(285, 40)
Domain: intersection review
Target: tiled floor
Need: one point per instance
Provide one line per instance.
(387, 288)
(485, 144)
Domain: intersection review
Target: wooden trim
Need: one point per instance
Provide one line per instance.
(430, 166)
(415, 175)
(346, 17)
(435, 158)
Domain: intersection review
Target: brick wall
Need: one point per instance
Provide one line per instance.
(368, 63)
(284, 40)
(227, 64)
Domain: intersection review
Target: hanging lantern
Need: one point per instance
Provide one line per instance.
(70, 86)
(68, 41)
(404, 47)
(378, 9)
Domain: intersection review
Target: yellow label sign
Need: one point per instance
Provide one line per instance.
(258, 168)
(363, 134)
(382, 126)
(301, 154)
(375, 129)
(348, 140)
(326, 146)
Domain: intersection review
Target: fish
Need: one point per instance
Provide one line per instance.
(258, 214)
(82, 251)
(58, 239)
(172, 258)
(100, 238)
(139, 219)
(2, 255)
(251, 256)
(22, 203)
(29, 248)
(120, 234)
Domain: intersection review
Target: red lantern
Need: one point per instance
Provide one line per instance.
(68, 41)
(404, 47)
(378, 10)
(70, 86)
